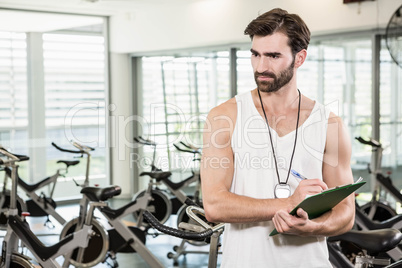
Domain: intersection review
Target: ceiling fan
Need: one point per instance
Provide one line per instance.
(393, 36)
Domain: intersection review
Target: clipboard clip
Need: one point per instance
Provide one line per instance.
(359, 180)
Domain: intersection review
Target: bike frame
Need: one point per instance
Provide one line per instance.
(378, 179)
(51, 211)
(18, 230)
(30, 191)
(115, 220)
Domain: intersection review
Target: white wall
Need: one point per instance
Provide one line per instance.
(218, 22)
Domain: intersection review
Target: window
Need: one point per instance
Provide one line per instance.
(245, 78)
(178, 93)
(53, 88)
(13, 92)
(338, 74)
(74, 74)
(391, 113)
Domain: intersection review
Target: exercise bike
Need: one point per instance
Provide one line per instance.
(111, 237)
(115, 237)
(38, 205)
(363, 222)
(18, 231)
(371, 245)
(165, 203)
(378, 208)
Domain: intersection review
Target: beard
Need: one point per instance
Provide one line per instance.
(278, 81)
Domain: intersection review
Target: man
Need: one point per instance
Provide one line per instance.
(252, 141)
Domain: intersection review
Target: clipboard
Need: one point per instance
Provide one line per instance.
(318, 204)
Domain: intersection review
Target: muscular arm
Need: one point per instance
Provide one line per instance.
(336, 171)
(217, 169)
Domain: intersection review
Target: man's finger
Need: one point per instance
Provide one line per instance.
(302, 214)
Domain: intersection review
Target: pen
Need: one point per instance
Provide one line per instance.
(297, 174)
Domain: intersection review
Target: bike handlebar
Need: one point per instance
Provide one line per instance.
(190, 148)
(370, 142)
(176, 232)
(141, 140)
(82, 148)
(12, 156)
(66, 150)
(193, 210)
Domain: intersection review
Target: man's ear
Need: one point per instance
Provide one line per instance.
(300, 58)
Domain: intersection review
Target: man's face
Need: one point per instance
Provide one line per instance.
(272, 61)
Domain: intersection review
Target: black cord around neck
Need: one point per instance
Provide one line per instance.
(270, 138)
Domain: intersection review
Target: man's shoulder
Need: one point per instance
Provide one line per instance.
(333, 118)
(223, 115)
(227, 108)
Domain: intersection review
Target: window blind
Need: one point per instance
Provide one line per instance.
(13, 81)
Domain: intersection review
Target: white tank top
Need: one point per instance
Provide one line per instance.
(249, 244)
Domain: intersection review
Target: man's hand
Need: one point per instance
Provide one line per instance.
(297, 225)
(306, 188)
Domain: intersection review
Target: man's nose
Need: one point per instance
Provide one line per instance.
(262, 65)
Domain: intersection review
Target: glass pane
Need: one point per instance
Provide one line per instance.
(245, 76)
(13, 92)
(178, 93)
(74, 66)
(391, 114)
(13, 80)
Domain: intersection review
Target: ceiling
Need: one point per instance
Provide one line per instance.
(93, 7)
(16, 21)
(24, 15)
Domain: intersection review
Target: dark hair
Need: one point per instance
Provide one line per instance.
(279, 20)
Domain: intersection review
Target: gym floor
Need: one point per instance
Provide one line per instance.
(160, 245)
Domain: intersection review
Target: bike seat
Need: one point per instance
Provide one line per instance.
(69, 163)
(374, 241)
(101, 194)
(158, 175)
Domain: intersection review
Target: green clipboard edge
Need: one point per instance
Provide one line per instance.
(318, 204)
